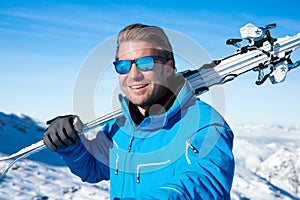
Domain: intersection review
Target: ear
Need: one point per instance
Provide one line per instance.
(169, 68)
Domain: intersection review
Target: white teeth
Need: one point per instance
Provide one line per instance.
(137, 86)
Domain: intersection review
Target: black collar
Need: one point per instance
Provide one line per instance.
(162, 105)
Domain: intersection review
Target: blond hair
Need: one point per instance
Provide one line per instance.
(151, 34)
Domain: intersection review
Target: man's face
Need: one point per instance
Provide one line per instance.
(143, 88)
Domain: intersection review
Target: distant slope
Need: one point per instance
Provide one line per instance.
(267, 162)
(39, 181)
(42, 176)
(19, 131)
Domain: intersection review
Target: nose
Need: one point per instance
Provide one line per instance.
(135, 73)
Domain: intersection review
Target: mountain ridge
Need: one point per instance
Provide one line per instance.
(267, 164)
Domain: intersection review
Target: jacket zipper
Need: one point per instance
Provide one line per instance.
(128, 151)
(130, 143)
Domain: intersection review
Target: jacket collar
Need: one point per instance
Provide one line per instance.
(155, 122)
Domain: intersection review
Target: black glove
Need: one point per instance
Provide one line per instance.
(62, 132)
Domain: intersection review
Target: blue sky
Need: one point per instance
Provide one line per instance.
(43, 45)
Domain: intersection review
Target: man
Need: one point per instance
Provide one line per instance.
(167, 145)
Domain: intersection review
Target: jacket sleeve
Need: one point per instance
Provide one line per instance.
(209, 168)
(89, 158)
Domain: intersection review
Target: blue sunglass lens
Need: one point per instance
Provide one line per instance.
(122, 66)
(144, 63)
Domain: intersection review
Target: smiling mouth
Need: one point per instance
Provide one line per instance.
(138, 86)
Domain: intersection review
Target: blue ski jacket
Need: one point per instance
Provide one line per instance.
(185, 153)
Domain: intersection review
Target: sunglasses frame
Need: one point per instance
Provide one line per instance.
(130, 62)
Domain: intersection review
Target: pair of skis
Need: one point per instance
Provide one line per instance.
(262, 52)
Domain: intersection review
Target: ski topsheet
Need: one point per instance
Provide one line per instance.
(273, 57)
(262, 53)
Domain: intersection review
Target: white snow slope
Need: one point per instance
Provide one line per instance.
(267, 165)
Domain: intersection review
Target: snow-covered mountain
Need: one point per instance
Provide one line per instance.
(43, 175)
(267, 164)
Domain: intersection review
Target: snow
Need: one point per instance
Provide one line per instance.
(35, 180)
(267, 164)
(42, 176)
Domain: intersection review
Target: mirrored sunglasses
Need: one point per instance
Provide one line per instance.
(145, 63)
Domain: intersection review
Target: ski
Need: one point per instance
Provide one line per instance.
(263, 52)
(38, 146)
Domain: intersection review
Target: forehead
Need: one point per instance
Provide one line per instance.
(134, 49)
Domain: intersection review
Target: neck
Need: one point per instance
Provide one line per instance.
(160, 106)
(143, 110)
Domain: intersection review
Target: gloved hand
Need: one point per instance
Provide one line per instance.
(62, 132)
